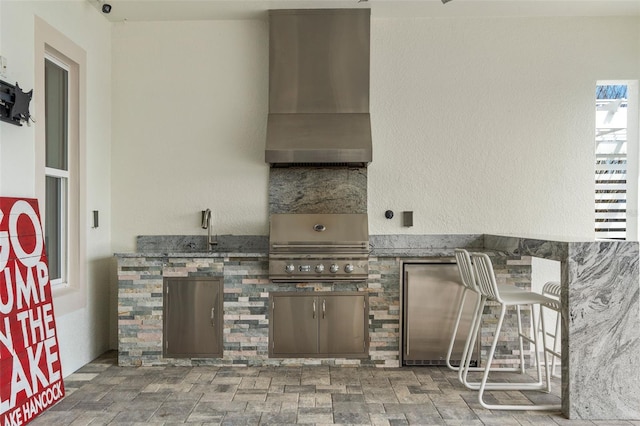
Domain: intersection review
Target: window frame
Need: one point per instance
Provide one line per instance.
(63, 176)
(49, 42)
(632, 157)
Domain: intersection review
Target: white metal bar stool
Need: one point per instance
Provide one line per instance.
(551, 289)
(468, 280)
(488, 287)
(463, 262)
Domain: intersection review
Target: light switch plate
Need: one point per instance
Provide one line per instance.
(407, 219)
(3, 66)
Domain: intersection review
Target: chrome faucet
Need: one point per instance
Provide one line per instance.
(206, 224)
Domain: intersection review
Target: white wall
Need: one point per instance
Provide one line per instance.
(501, 106)
(486, 125)
(84, 333)
(189, 111)
(480, 125)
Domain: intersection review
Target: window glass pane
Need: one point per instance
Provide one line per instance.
(54, 225)
(611, 162)
(56, 110)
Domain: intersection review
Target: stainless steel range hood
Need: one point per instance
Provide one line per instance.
(319, 88)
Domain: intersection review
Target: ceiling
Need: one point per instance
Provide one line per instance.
(178, 10)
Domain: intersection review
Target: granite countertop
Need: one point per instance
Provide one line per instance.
(196, 246)
(190, 254)
(416, 246)
(395, 245)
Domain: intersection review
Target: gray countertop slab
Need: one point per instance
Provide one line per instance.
(191, 254)
(436, 245)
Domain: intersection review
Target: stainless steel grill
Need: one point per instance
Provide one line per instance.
(318, 247)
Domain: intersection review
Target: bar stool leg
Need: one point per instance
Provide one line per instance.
(455, 333)
(486, 386)
(520, 342)
(468, 351)
(551, 289)
(556, 350)
(471, 341)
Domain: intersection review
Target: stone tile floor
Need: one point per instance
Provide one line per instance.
(101, 393)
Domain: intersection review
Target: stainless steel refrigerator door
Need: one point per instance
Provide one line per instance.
(192, 318)
(432, 295)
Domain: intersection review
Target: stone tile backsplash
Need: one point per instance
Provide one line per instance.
(317, 190)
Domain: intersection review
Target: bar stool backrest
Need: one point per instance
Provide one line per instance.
(485, 277)
(551, 288)
(466, 269)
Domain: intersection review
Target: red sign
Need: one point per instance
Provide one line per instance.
(30, 370)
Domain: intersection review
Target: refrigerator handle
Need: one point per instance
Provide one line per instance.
(314, 308)
(406, 328)
(213, 316)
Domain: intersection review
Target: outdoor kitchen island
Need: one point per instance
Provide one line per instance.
(600, 302)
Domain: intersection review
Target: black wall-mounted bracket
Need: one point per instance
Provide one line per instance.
(14, 103)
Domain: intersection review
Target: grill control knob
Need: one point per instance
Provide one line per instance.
(348, 268)
(334, 268)
(319, 268)
(289, 268)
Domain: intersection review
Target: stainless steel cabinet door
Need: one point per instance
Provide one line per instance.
(192, 317)
(342, 325)
(323, 325)
(294, 330)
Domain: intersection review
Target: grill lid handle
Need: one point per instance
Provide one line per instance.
(324, 246)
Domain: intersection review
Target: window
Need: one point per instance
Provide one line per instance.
(616, 156)
(56, 76)
(59, 92)
(611, 162)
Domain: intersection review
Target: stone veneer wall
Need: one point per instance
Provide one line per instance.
(246, 297)
(140, 303)
(384, 311)
(246, 322)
